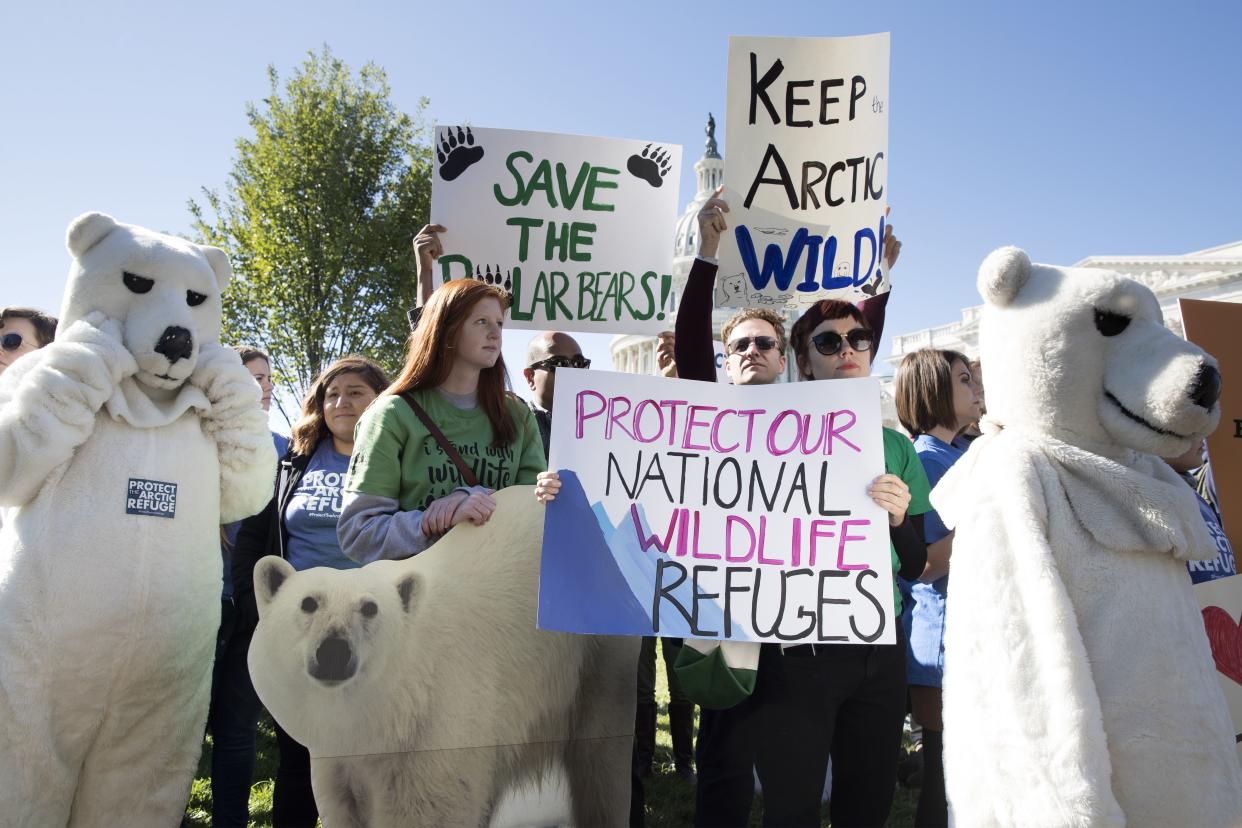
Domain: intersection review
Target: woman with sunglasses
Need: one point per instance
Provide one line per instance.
(23, 330)
(847, 701)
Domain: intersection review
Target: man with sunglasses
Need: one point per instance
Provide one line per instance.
(548, 351)
(23, 330)
(755, 354)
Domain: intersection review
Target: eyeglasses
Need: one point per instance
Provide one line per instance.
(742, 344)
(11, 341)
(552, 363)
(830, 342)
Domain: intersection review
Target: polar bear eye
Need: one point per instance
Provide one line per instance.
(1109, 323)
(369, 609)
(309, 604)
(136, 283)
(194, 299)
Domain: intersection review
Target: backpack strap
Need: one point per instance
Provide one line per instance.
(467, 473)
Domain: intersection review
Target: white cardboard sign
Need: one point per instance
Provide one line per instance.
(578, 229)
(806, 166)
(702, 510)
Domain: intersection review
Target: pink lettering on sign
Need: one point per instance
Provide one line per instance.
(846, 537)
(581, 415)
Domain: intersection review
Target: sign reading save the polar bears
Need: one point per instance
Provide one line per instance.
(806, 165)
(692, 509)
(579, 229)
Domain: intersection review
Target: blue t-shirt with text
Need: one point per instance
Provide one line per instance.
(314, 510)
(1223, 565)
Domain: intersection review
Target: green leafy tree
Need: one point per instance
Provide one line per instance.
(317, 216)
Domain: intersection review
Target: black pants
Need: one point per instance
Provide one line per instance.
(725, 759)
(233, 720)
(847, 701)
(293, 801)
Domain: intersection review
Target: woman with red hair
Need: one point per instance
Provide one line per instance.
(429, 453)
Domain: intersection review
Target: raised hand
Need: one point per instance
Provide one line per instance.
(712, 223)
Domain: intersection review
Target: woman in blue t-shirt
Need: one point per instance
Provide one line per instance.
(299, 524)
(937, 397)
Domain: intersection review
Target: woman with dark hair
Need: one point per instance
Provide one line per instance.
(444, 436)
(844, 701)
(937, 397)
(300, 525)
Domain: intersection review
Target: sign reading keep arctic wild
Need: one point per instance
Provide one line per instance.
(579, 229)
(693, 509)
(806, 161)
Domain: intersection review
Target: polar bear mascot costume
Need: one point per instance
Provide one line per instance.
(425, 693)
(123, 446)
(1079, 688)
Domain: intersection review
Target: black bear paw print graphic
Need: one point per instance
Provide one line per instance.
(495, 278)
(456, 152)
(651, 166)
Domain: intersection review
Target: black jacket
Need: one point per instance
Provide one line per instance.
(262, 535)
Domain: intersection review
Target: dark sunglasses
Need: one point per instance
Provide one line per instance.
(830, 342)
(742, 344)
(11, 341)
(552, 363)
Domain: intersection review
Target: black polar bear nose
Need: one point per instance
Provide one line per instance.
(175, 343)
(1206, 390)
(333, 660)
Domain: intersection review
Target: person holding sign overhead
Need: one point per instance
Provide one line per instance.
(809, 700)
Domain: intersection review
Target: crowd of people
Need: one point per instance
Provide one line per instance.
(380, 467)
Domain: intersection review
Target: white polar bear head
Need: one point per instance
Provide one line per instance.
(1083, 355)
(326, 637)
(164, 292)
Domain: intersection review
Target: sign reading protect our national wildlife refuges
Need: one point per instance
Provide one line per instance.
(701, 510)
(806, 167)
(579, 230)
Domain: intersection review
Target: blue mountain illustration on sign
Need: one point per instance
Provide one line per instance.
(595, 576)
(580, 587)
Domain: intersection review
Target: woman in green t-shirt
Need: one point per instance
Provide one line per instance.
(403, 489)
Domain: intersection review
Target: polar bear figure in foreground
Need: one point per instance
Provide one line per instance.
(424, 690)
(1079, 686)
(123, 446)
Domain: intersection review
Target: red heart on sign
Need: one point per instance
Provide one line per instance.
(1226, 639)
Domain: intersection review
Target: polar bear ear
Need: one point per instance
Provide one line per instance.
(86, 231)
(1002, 275)
(270, 574)
(219, 261)
(407, 588)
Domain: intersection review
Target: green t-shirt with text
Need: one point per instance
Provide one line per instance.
(395, 455)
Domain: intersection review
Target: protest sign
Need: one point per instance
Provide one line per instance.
(579, 230)
(806, 166)
(1214, 326)
(701, 510)
(1221, 601)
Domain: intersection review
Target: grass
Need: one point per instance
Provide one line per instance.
(669, 800)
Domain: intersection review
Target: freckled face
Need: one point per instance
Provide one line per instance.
(478, 342)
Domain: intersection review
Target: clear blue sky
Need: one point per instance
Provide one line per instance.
(1068, 128)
